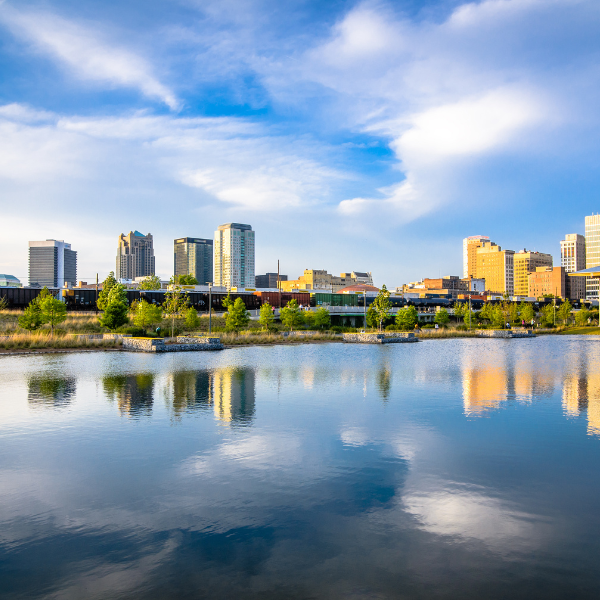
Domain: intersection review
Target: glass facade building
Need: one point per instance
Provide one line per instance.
(194, 256)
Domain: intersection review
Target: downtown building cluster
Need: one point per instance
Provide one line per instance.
(489, 271)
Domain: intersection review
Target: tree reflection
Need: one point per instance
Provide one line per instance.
(384, 382)
(134, 393)
(191, 390)
(51, 391)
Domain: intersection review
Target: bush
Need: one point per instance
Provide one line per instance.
(337, 329)
(428, 326)
(134, 331)
(461, 328)
(391, 328)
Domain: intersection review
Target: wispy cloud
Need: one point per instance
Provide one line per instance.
(85, 52)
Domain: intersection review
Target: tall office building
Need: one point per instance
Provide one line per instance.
(269, 280)
(194, 256)
(572, 258)
(234, 256)
(135, 255)
(592, 254)
(470, 245)
(525, 263)
(52, 263)
(496, 266)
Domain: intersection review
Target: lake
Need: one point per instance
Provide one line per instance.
(457, 468)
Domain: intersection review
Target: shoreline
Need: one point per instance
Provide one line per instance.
(272, 342)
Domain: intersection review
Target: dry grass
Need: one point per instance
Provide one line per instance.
(43, 340)
(258, 338)
(74, 323)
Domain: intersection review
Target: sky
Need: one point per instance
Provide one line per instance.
(351, 135)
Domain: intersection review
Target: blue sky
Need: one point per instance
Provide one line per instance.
(351, 135)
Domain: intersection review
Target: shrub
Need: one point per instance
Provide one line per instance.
(428, 326)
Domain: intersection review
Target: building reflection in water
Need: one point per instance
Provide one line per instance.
(234, 395)
(191, 391)
(490, 379)
(581, 393)
(134, 393)
(51, 392)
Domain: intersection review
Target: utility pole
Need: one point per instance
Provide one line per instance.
(96, 293)
(470, 315)
(365, 308)
(278, 284)
(209, 308)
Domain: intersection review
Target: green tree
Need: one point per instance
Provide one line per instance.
(237, 316)
(371, 317)
(459, 309)
(487, 312)
(469, 318)
(107, 286)
(526, 312)
(382, 306)
(266, 316)
(175, 303)
(547, 315)
(322, 318)
(145, 314)
(185, 280)
(564, 311)
(150, 283)
(291, 315)
(227, 301)
(3, 303)
(115, 308)
(192, 320)
(32, 317)
(442, 318)
(582, 316)
(52, 311)
(497, 316)
(407, 318)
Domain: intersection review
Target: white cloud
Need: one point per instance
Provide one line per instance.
(85, 53)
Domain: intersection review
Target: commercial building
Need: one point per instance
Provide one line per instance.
(496, 266)
(135, 255)
(592, 254)
(320, 279)
(234, 256)
(526, 262)
(358, 277)
(268, 281)
(572, 258)
(194, 256)
(52, 263)
(470, 245)
(9, 281)
(547, 281)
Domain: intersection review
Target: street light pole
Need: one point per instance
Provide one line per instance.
(365, 309)
(209, 307)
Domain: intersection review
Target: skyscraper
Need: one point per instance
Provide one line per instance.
(135, 255)
(525, 263)
(194, 256)
(572, 258)
(496, 266)
(234, 256)
(592, 254)
(470, 245)
(52, 263)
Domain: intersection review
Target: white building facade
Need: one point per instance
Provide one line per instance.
(234, 256)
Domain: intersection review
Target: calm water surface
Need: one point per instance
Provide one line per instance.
(444, 469)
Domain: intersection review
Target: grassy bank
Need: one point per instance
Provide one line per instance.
(246, 338)
(42, 340)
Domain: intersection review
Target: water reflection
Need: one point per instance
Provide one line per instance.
(51, 391)
(384, 382)
(581, 392)
(490, 379)
(191, 390)
(134, 393)
(234, 394)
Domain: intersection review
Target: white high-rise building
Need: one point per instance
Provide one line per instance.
(52, 263)
(470, 245)
(592, 254)
(234, 256)
(572, 252)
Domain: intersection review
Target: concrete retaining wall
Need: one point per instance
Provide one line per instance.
(101, 336)
(388, 337)
(506, 333)
(158, 345)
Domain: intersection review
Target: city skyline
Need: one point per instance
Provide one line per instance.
(375, 129)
